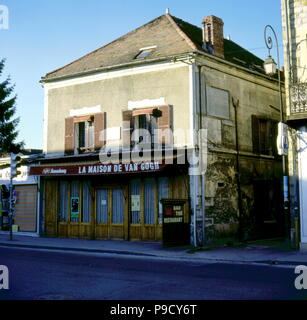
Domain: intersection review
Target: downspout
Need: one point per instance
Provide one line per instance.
(201, 158)
(193, 177)
(241, 229)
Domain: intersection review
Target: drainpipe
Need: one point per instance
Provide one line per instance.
(203, 203)
(241, 231)
(193, 125)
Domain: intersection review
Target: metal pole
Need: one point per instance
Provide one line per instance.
(11, 209)
(269, 44)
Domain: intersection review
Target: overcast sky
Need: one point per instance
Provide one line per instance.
(46, 34)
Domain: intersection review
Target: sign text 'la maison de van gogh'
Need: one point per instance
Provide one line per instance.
(96, 169)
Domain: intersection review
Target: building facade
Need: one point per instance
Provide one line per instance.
(294, 19)
(168, 111)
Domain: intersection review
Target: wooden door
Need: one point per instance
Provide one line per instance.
(51, 201)
(111, 217)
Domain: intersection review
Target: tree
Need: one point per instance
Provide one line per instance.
(8, 124)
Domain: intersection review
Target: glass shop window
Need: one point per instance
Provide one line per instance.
(63, 217)
(135, 188)
(149, 201)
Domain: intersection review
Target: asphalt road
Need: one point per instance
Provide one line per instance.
(45, 275)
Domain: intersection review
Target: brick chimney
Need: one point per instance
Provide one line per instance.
(213, 35)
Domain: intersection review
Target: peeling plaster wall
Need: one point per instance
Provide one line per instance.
(256, 96)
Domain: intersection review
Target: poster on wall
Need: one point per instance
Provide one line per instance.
(74, 205)
(135, 203)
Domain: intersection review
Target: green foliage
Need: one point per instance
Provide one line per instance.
(8, 124)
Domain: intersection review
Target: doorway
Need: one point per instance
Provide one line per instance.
(110, 213)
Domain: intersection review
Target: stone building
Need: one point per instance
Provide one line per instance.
(294, 19)
(217, 111)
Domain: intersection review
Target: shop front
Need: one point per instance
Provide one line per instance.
(114, 201)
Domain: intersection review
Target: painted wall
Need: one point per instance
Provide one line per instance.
(114, 91)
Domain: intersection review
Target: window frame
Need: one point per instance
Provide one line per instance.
(88, 138)
(264, 139)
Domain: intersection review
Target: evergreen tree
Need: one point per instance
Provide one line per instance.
(8, 125)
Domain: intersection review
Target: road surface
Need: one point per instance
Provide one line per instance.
(59, 275)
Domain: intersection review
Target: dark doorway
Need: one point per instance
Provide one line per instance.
(268, 213)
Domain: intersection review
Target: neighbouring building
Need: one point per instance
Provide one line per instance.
(112, 104)
(294, 19)
(25, 194)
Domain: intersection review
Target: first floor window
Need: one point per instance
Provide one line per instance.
(84, 136)
(264, 133)
(144, 128)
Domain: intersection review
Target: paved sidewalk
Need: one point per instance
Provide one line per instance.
(248, 253)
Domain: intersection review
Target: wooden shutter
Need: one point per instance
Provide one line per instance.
(273, 137)
(69, 136)
(255, 134)
(165, 122)
(268, 138)
(127, 128)
(99, 126)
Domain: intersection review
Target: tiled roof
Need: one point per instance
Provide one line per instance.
(170, 36)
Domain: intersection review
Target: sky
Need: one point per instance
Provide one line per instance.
(44, 35)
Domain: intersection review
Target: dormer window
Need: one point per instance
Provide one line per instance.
(145, 52)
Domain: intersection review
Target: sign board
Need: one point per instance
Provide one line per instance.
(96, 169)
(175, 229)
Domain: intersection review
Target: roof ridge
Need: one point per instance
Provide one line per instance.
(105, 45)
(181, 32)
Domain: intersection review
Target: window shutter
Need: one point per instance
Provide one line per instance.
(127, 128)
(274, 133)
(269, 139)
(255, 134)
(165, 122)
(69, 136)
(99, 126)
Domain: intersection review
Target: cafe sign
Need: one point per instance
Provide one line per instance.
(96, 169)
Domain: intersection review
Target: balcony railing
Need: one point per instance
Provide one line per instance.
(298, 96)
